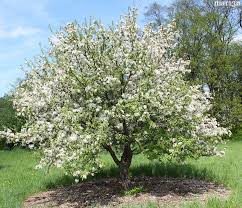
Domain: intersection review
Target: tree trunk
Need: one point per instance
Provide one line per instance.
(124, 166)
(124, 176)
(126, 158)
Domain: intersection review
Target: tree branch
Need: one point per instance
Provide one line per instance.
(112, 153)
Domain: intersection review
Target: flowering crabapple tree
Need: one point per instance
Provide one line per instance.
(119, 89)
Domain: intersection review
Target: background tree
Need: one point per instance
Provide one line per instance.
(158, 14)
(8, 117)
(206, 37)
(119, 89)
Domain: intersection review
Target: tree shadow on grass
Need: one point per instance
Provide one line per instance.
(60, 182)
(174, 170)
(157, 180)
(4, 166)
(164, 169)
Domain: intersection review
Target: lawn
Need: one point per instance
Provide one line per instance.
(18, 178)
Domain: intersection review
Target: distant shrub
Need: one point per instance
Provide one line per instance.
(8, 118)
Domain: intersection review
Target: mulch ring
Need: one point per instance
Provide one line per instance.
(109, 193)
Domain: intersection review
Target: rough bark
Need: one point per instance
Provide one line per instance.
(124, 166)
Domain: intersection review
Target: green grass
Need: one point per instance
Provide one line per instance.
(19, 179)
(133, 191)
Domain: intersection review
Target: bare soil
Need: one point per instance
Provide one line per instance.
(109, 193)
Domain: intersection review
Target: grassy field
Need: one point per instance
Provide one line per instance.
(18, 179)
